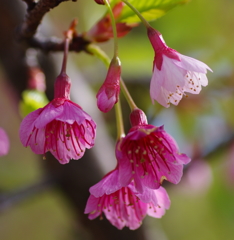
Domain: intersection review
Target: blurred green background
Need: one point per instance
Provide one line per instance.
(202, 205)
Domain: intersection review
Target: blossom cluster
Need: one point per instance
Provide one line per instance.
(146, 156)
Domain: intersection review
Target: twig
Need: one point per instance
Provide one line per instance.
(77, 44)
(34, 17)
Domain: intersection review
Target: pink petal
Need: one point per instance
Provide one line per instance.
(91, 207)
(104, 103)
(164, 202)
(27, 126)
(191, 64)
(72, 113)
(48, 114)
(4, 142)
(108, 185)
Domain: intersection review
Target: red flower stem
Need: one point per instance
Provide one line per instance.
(68, 37)
(66, 49)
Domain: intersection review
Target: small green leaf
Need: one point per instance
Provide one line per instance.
(150, 9)
(31, 101)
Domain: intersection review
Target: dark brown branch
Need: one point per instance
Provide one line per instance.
(34, 17)
(77, 44)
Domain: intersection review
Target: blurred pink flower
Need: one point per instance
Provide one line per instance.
(173, 73)
(125, 206)
(191, 183)
(148, 155)
(108, 94)
(102, 31)
(4, 143)
(61, 127)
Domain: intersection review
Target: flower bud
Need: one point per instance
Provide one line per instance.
(108, 94)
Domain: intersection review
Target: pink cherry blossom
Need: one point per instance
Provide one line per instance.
(124, 206)
(108, 94)
(148, 155)
(4, 143)
(173, 73)
(61, 127)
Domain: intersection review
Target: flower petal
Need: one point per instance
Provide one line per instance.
(4, 142)
(48, 114)
(27, 126)
(192, 64)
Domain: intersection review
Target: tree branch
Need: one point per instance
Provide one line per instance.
(77, 44)
(34, 16)
(31, 4)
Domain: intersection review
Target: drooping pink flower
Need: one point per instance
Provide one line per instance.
(4, 142)
(61, 127)
(125, 206)
(108, 94)
(148, 155)
(102, 31)
(174, 73)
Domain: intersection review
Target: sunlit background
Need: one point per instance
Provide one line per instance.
(202, 204)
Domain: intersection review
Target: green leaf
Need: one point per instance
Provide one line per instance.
(150, 9)
(31, 101)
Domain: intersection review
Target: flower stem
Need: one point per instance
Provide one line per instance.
(113, 27)
(137, 13)
(98, 52)
(68, 37)
(127, 95)
(66, 49)
(119, 121)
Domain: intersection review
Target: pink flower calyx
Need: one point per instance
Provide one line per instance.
(149, 155)
(160, 48)
(108, 94)
(138, 117)
(62, 86)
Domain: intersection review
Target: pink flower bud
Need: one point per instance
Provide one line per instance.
(108, 94)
